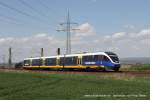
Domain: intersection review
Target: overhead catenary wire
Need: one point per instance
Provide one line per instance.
(51, 10)
(8, 17)
(11, 20)
(32, 8)
(47, 7)
(21, 12)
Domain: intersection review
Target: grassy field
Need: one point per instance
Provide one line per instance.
(38, 86)
(139, 68)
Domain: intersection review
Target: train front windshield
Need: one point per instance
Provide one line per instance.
(113, 56)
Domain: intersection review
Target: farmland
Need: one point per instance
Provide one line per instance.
(16, 85)
(136, 68)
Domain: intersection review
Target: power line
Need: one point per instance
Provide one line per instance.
(19, 11)
(41, 2)
(35, 10)
(12, 20)
(51, 11)
(9, 22)
(14, 9)
(8, 17)
(47, 7)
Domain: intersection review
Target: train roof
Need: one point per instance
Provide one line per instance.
(69, 55)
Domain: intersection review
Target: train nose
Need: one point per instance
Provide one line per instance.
(117, 65)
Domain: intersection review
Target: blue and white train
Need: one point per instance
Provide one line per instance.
(97, 60)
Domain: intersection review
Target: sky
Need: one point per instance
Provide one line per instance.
(121, 26)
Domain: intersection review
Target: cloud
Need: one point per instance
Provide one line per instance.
(6, 39)
(119, 35)
(144, 33)
(23, 47)
(145, 42)
(2, 40)
(41, 35)
(85, 30)
(129, 43)
(125, 44)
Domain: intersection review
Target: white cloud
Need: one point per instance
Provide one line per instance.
(123, 43)
(119, 35)
(129, 43)
(2, 40)
(85, 30)
(145, 42)
(29, 46)
(40, 35)
(144, 33)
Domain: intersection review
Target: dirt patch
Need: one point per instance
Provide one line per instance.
(138, 74)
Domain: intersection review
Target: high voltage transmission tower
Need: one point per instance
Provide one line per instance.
(68, 29)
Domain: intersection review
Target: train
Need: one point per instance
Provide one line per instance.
(97, 60)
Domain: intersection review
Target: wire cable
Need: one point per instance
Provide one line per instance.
(21, 12)
(35, 10)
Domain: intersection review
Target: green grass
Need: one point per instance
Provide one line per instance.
(33, 86)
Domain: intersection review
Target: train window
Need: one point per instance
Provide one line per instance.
(87, 58)
(36, 62)
(114, 58)
(105, 58)
(26, 62)
(100, 57)
(50, 61)
(71, 60)
(96, 58)
(91, 58)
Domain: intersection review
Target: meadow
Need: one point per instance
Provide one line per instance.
(41, 86)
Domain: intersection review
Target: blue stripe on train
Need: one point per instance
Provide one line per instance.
(104, 63)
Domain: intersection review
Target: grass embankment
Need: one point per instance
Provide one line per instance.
(138, 68)
(33, 86)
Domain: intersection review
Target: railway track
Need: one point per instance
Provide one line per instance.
(132, 73)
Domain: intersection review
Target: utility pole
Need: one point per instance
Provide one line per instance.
(68, 30)
(58, 51)
(42, 52)
(3, 58)
(10, 58)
